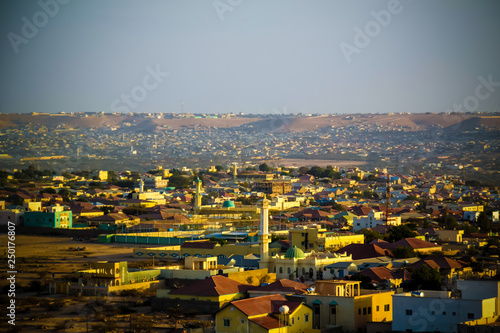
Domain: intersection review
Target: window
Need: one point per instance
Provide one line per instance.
(306, 317)
(453, 313)
(302, 243)
(227, 322)
(470, 316)
(369, 310)
(288, 270)
(311, 245)
(333, 310)
(242, 321)
(316, 309)
(378, 308)
(444, 313)
(364, 311)
(293, 321)
(359, 311)
(281, 270)
(387, 307)
(409, 312)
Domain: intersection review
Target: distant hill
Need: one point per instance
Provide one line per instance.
(265, 123)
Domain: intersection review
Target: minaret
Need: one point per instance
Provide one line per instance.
(197, 197)
(264, 235)
(235, 172)
(141, 186)
(388, 200)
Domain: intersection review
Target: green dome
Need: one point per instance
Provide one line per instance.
(228, 204)
(294, 252)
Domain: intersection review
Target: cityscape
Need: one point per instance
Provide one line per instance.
(232, 166)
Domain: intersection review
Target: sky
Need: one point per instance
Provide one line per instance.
(250, 56)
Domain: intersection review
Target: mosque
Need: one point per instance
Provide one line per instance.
(294, 264)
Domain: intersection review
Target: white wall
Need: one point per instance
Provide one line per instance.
(430, 314)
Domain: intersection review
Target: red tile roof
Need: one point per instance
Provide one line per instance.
(217, 285)
(267, 322)
(285, 285)
(414, 243)
(439, 262)
(363, 251)
(381, 274)
(257, 305)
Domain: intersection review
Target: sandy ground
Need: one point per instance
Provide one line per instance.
(41, 259)
(41, 256)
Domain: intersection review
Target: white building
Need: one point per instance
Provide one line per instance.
(437, 311)
(373, 219)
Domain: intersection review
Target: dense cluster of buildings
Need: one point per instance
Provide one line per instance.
(79, 141)
(284, 251)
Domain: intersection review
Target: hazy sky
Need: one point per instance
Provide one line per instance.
(251, 56)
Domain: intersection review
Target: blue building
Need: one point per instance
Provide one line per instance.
(55, 218)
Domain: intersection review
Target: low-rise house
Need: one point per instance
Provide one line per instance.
(207, 295)
(54, 217)
(442, 311)
(343, 305)
(363, 251)
(273, 313)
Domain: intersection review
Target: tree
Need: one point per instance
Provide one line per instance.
(447, 221)
(366, 282)
(48, 190)
(483, 221)
(425, 278)
(107, 209)
(112, 177)
(399, 232)
(219, 168)
(370, 235)
(179, 181)
(316, 171)
(264, 167)
(403, 252)
(337, 206)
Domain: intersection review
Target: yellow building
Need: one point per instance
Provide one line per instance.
(206, 296)
(343, 304)
(295, 263)
(472, 208)
(271, 313)
(317, 239)
(107, 273)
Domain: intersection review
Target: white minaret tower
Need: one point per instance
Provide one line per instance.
(197, 198)
(265, 237)
(141, 186)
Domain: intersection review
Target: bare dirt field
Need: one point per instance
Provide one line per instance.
(53, 257)
(41, 260)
